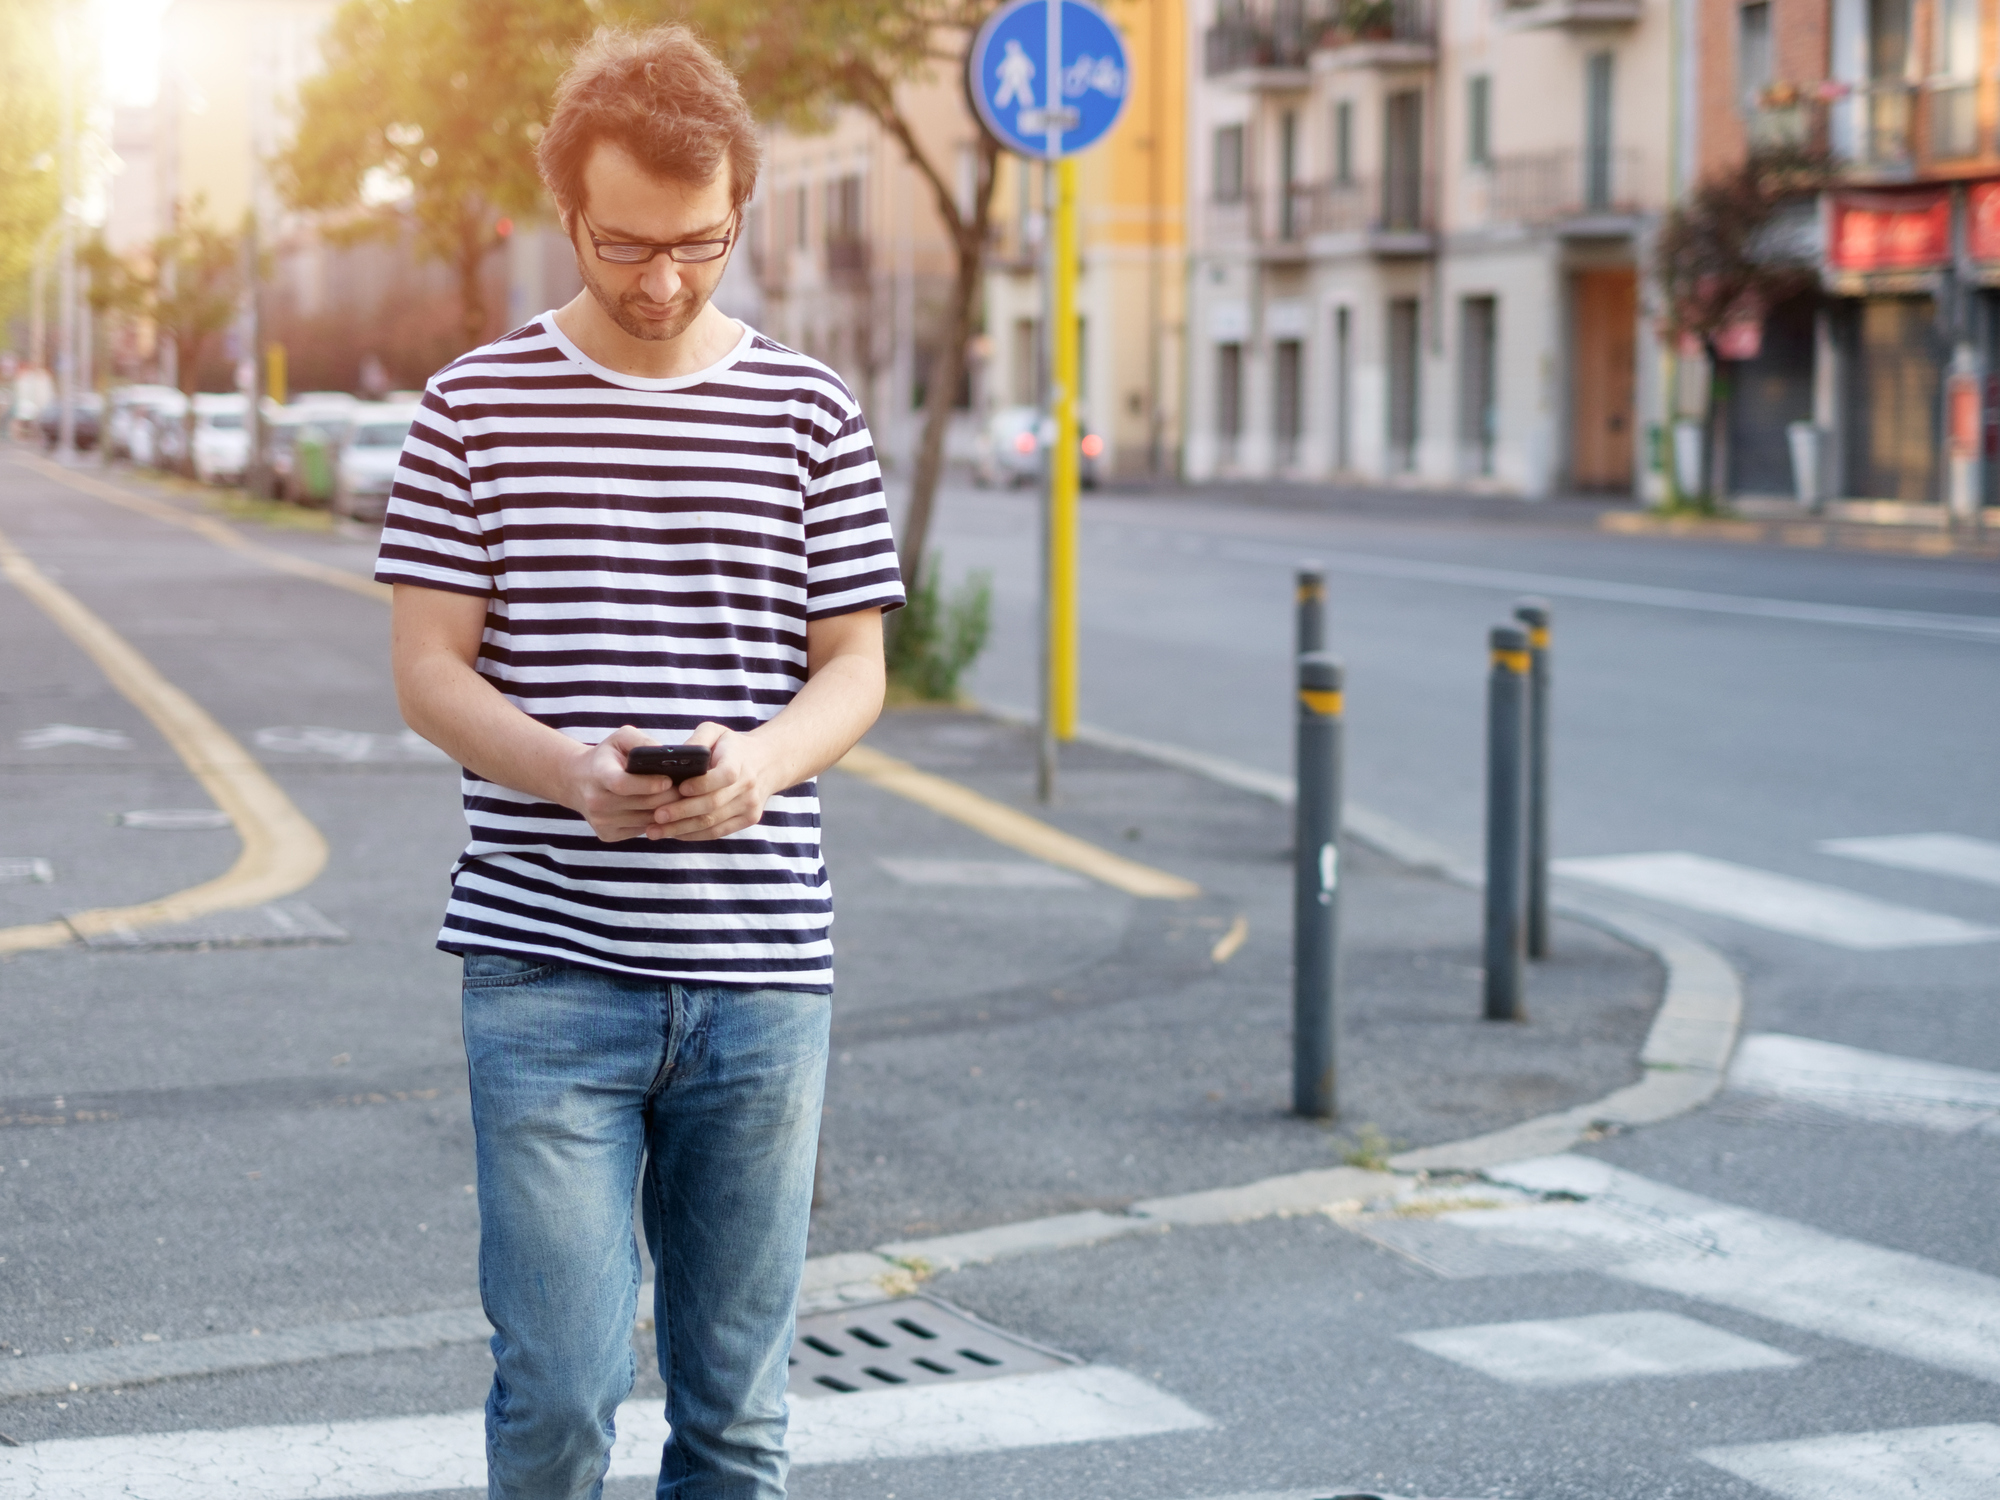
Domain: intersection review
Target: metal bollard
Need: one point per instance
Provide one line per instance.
(1534, 614)
(1506, 824)
(1316, 888)
(1312, 610)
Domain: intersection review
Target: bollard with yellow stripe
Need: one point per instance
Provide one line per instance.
(1310, 595)
(1507, 695)
(1316, 887)
(1534, 616)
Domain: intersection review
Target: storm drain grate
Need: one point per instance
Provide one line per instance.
(886, 1346)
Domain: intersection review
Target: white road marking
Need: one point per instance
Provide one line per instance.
(1964, 627)
(1603, 1346)
(417, 1455)
(1658, 1236)
(25, 869)
(346, 744)
(1932, 853)
(50, 736)
(175, 819)
(1914, 1463)
(1873, 1086)
(1801, 908)
(1019, 874)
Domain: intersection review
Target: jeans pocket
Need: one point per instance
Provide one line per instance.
(485, 970)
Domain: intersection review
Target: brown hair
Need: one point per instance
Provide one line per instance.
(664, 97)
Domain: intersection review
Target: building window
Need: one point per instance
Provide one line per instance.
(1343, 376)
(1288, 365)
(1479, 343)
(1403, 351)
(1479, 120)
(1403, 160)
(1229, 164)
(1288, 175)
(1597, 186)
(1753, 51)
(1343, 141)
(1954, 88)
(801, 216)
(1228, 399)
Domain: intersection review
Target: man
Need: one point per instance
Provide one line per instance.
(635, 521)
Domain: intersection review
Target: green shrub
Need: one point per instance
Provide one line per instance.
(933, 640)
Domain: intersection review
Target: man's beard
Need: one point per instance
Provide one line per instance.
(619, 310)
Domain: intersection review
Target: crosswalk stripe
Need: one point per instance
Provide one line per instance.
(418, 1455)
(1913, 1463)
(1598, 1347)
(1872, 1086)
(1662, 1237)
(1933, 853)
(1780, 903)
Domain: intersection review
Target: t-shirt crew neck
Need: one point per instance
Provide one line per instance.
(610, 376)
(651, 552)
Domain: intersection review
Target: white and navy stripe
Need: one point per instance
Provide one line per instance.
(651, 552)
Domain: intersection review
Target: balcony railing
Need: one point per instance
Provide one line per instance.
(1951, 109)
(1387, 213)
(1282, 35)
(1548, 187)
(1872, 127)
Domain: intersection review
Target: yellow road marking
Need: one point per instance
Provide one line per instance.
(221, 534)
(1226, 945)
(282, 851)
(1004, 825)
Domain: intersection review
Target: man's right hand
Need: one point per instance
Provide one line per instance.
(616, 804)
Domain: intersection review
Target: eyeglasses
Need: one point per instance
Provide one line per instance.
(687, 252)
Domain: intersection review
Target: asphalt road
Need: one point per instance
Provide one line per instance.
(268, 1139)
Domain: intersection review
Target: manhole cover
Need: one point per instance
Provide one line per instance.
(912, 1341)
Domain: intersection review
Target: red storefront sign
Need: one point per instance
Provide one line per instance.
(1982, 221)
(1890, 232)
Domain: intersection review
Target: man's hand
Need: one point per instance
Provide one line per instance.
(728, 797)
(617, 804)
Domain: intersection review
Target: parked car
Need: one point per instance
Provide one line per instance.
(366, 466)
(89, 422)
(221, 437)
(128, 429)
(1012, 443)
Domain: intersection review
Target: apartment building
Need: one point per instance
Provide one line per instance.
(850, 255)
(1421, 228)
(1894, 354)
(1131, 281)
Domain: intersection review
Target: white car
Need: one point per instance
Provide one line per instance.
(129, 429)
(221, 438)
(368, 458)
(1011, 448)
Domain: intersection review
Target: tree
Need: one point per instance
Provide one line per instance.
(436, 104)
(30, 130)
(800, 58)
(1722, 260)
(189, 284)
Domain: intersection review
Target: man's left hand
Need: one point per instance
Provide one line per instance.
(727, 798)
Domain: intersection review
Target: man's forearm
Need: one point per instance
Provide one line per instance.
(450, 704)
(822, 723)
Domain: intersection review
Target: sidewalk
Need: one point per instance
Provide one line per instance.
(1011, 1051)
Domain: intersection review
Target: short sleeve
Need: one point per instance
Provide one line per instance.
(850, 551)
(431, 535)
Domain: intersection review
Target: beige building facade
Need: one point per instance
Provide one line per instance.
(1420, 246)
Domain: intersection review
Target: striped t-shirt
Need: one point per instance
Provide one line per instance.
(651, 552)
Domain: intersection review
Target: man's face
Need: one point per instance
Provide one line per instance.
(623, 203)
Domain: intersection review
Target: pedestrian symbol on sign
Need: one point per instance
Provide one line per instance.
(1017, 72)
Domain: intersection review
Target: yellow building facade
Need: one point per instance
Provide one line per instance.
(1131, 293)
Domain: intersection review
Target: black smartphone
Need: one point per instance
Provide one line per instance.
(681, 762)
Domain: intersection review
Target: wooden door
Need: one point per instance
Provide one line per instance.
(1605, 313)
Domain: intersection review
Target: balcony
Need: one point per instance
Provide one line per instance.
(1378, 34)
(1259, 48)
(1569, 15)
(1581, 193)
(1385, 217)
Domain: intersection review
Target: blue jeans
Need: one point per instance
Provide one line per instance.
(582, 1081)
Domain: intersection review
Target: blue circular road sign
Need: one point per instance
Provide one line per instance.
(1038, 110)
